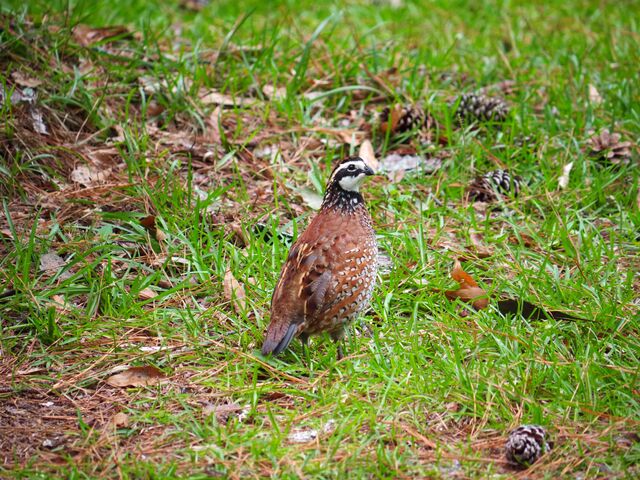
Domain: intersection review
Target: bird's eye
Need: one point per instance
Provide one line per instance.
(351, 168)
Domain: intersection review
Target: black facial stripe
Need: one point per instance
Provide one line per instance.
(342, 172)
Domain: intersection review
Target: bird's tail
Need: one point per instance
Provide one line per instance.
(278, 337)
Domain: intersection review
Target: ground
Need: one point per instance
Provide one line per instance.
(157, 159)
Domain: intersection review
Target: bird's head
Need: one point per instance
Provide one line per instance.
(349, 174)
(343, 188)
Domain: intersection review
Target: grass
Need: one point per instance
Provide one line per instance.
(425, 391)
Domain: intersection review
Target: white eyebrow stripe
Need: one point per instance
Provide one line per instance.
(344, 166)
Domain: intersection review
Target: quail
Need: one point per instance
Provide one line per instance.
(330, 272)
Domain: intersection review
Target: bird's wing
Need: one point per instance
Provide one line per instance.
(300, 293)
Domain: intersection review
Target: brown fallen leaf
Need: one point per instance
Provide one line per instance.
(468, 291)
(149, 222)
(24, 81)
(51, 261)
(86, 35)
(88, 175)
(395, 165)
(478, 246)
(367, 154)
(137, 377)
(223, 412)
(351, 137)
(216, 98)
(147, 294)
(234, 292)
(274, 93)
(120, 419)
(523, 238)
(60, 304)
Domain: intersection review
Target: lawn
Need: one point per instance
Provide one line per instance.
(157, 158)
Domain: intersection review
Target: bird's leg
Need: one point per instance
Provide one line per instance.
(304, 338)
(336, 336)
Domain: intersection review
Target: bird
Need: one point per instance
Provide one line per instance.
(330, 271)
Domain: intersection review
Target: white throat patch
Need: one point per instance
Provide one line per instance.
(352, 184)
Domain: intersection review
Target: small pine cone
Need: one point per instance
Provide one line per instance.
(607, 147)
(493, 185)
(476, 107)
(401, 119)
(526, 444)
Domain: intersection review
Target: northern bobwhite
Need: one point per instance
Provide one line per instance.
(330, 272)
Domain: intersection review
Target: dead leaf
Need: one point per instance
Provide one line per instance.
(367, 154)
(478, 246)
(88, 175)
(351, 137)
(120, 419)
(147, 294)
(309, 434)
(86, 35)
(24, 81)
(137, 377)
(37, 121)
(223, 412)
(468, 291)
(149, 222)
(395, 165)
(60, 304)
(274, 93)
(523, 238)
(234, 292)
(240, 235)
(563, 181)
(594, 95)
(51, 261)
(216, 98)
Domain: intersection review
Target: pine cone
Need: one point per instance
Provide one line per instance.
(607, 147)
(493, 185)
(476, 107)
(401, 119)
(526, 444)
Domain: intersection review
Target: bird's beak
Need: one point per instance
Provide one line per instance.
(368, 170)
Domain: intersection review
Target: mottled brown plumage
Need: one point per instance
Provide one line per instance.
(330, 272)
